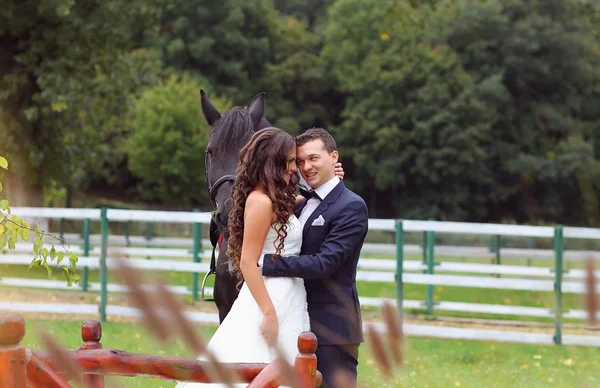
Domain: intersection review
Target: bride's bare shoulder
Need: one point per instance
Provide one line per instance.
(258, 201)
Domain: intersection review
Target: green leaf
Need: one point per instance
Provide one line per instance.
(3, 163)
(73, 259)
(67, 276)
(24, 230)
(61, 256)
(13, 234)
(45, 253)
(37, 244)
(34, 263)
(0, 187)
(48, 269)
(11, 243)
(4, 204)
(53, 253)
(3, 241)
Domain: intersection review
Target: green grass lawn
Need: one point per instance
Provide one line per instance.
(429, 362)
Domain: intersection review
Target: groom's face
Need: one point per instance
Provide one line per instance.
(316, 164)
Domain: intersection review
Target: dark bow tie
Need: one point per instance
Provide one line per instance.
(308, 194)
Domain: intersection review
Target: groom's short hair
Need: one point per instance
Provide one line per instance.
(317, 134)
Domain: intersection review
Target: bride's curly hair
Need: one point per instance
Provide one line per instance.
(263, 160)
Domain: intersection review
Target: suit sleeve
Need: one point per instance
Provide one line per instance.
(346, 236)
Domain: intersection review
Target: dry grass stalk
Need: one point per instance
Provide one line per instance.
(591, 294)
(394, 331)
(342, 379)
(63, 359)
(378, 350)
(287, 374)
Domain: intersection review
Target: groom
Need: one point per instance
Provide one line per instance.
(335, 223)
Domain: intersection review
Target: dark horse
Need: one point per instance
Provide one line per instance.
(229, 132)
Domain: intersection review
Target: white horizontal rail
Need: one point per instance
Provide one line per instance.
(489, 335)
(111, 287)
(382, 224)
(157, 216)
(370, 264)
(369, 276)
(477, 308)
(95, 239)
(374, 223)
(49, 308)
(26, 248)
(584, 233)
(372, 248)
(56, 213)
(477, 228)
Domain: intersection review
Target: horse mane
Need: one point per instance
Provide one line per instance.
(234, 129)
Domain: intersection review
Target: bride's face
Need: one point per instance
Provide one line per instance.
(291, 169)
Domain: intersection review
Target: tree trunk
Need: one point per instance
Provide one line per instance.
(20, 192)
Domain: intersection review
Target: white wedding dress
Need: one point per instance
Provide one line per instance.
(238, 338)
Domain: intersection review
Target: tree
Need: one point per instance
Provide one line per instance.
(412, 122)
(165, 149)
(537, 63)
(311, 12)
(245, 47)
(62, 62)
(228, 42)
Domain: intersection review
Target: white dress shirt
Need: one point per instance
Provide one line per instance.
(322, 191)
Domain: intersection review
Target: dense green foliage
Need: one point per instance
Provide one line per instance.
(167, 141)
(460, 110)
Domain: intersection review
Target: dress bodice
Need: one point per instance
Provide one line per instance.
(292, 242)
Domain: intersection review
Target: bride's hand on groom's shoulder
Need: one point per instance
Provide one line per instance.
(270, 329)
(339, 170)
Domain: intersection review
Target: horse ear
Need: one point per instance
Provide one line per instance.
(211, 114)
(257, 109)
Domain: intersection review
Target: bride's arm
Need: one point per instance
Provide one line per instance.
(258, 216)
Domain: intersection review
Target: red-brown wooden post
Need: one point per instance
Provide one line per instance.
(91, 333)
(41, 375)
(12, 354)
(306, 362)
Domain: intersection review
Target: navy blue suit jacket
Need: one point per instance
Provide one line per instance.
(327, 263)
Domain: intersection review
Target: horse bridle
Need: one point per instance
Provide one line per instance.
(212, 191)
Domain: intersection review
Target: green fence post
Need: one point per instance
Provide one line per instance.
(558, 272)
(86, 253)
(424, 246)
(496, 249)
(149, 227)
(430, 264)
(400, 269)
(61, 229)
(127, 227)
(197, 232)
(103, 269)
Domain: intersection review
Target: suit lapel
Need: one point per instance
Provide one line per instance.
(331, 197)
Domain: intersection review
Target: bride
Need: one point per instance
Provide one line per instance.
(269, 310)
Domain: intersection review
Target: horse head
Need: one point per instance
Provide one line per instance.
(229, 133)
